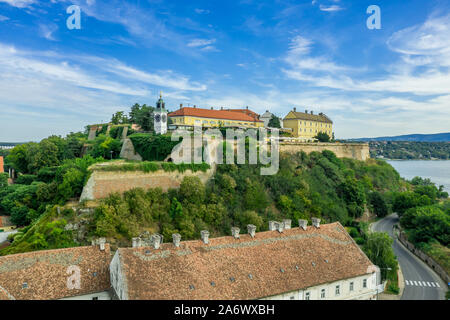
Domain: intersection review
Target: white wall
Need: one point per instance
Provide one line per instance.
(358, 293)
(118, 280)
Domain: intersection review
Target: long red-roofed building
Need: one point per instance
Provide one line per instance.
(193, 116)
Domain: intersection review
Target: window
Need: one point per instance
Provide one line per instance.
(322, 294)
(94, 298)
(365, 283)
(292, 298)
(351, 286)
(338, 290)
(307, 296)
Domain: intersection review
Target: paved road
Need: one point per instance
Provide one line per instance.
(421, 282)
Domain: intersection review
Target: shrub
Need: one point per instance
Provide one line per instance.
(26, 179)
(152, 147)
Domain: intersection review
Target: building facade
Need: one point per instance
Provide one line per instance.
(316, 262)
(190, 117)
(308, 125)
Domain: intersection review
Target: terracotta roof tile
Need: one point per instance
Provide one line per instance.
(215, 114)
(308, 258)
(42, 275)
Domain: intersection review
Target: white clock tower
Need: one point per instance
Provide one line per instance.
(160, 116)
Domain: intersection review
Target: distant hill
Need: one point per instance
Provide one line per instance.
(437, 137)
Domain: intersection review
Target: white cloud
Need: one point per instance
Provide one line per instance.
(200, 42)
(331, 8)
(19, 3)
(202, 11)
(46, 31)
(3, 18)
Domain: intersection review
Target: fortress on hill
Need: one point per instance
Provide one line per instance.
(299, 131)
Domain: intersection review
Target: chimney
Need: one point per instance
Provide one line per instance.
(156, 241)
(280, 227)
(251, 230)
(312, 112)
(212, 108)
(181, 105)
(272, 225)
(205, 236)
(316, 222)
(136, 242)
(221, 108)
(102, 242)
(235, 232)
(176, 239)
(306, 111)
(247, 107)
(287, 224)
(302, 223)
(295, 109)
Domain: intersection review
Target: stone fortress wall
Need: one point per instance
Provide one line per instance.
(357, 151)
(103, 183)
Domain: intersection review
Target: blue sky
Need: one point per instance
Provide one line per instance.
(316, 55)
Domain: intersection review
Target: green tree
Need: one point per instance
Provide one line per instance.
(3, 180)
(323, 137)
(379, 204)
(119, 118)
(142, 116)
(378, 248)
(20, 155)
(192, 190)
(274, 122)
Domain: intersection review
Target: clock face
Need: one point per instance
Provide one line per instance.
(157, 118)
(164, 118)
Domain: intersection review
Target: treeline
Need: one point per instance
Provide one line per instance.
(410, 150)
(49, 172)
(425, 220)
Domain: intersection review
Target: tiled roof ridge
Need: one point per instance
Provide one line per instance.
(281, 236)
(58, 250)
(214, 114)
(10, 296)
(307, 116)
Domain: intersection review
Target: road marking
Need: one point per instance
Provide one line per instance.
(433, 284)
(407, 283)
(415, 282)
(429, 284)
(438, 284)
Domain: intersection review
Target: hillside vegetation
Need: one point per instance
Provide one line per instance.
(314, 185)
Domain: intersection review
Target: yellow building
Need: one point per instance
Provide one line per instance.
(189, 117)
(308, 125)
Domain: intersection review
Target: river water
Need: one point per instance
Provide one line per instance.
(438, 171)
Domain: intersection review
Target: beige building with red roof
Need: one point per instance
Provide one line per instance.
(303, 263)
(189, 117)
(72, 273)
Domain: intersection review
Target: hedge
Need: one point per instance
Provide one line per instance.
(152, 147)
(148, 166)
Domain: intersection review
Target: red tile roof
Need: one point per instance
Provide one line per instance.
(247, 268)
(214, 114)
(42, 275)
